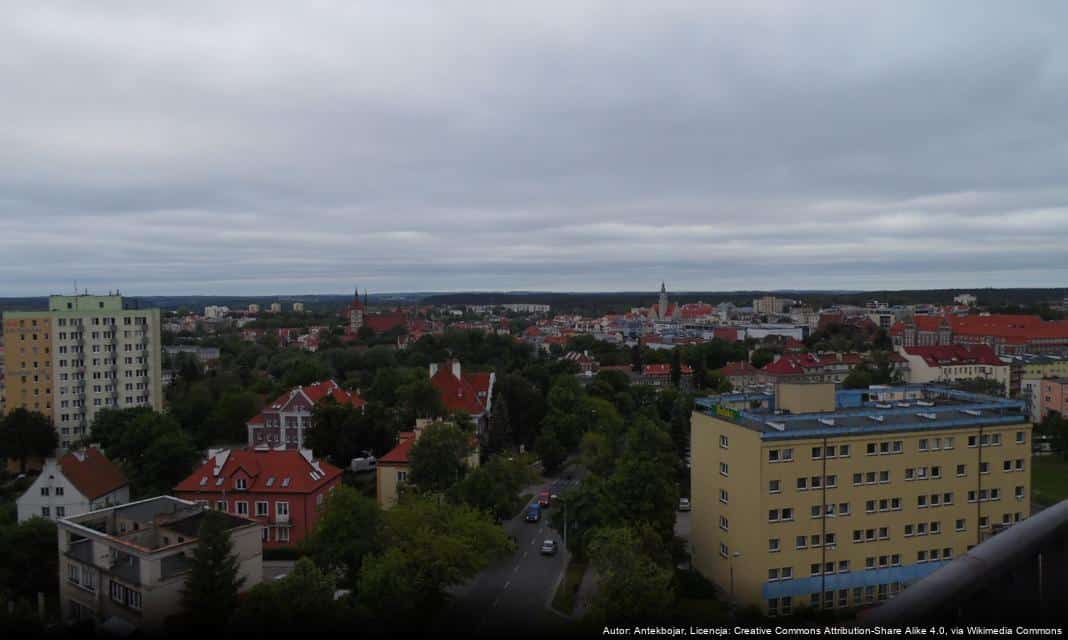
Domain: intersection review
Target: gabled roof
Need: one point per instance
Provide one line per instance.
(741, 368)
(956, 354)
(665, 369)
(462, 394)
(267, 471)
(400, 453)
(383, 322)
(91, 473)
(313, 393)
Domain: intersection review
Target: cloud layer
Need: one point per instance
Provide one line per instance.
(262, 147)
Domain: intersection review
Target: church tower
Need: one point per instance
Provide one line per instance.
(662, 308)
(356, 313)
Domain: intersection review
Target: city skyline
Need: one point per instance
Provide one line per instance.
(257, 148)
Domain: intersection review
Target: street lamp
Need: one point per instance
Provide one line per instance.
(730, 563)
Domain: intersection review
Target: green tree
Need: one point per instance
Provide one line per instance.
(28, 558)
(349, 530)
(762, 357)
(430, 546)
(633, 587)
(209, 596)
(500, 428)
(302, 602)
(636, 358)
(549, 449)
(438, 456)
(494, 487)
(1055, 426)
(676, 367)
(25, 434)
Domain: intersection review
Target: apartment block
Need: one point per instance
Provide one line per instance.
(124, 567)
(84, 354)
(803, 502)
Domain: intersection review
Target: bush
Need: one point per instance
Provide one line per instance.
(282, 554)
(694, 585)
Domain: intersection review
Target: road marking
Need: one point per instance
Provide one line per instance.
(516, 569)
(496, 601)
(525, 553)
(531, 542)
(507, 583)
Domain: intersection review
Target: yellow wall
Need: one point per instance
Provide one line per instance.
(28, 340)
(749, 500)
(388, 483)
(805, 397)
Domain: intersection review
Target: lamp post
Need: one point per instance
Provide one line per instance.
(730, 563)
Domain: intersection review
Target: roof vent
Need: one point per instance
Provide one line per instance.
(928, 416)
(972, 412)
(778, 426)
(827, 421)
(924, 403)
(882, 405)
(903, 405)
(876, 418)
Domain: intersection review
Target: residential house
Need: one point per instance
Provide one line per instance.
(124, 567)
(954, 363)
(282, 423)
(81, 481)
(284, 491)
(394, 467)
(470, 393)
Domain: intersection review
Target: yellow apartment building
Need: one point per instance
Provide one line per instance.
(85, 354)
(799, 502)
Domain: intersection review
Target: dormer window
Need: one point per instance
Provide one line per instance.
(270, 481)
(203, 480)
(241, 483)
(219, 481)
(285, 482)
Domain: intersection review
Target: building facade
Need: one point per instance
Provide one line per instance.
(84, 354)
(1053, 396)
(843, 508)
(282, 423)
(955, 363)
(284, 491)
(124, 567)
(79, 482)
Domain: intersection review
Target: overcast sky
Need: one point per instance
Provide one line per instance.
(306, 147)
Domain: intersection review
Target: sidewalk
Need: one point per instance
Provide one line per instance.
(585, 594)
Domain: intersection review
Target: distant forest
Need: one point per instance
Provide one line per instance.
(595, 304)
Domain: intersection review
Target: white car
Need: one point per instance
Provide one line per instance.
(684, 504)
(548, 548)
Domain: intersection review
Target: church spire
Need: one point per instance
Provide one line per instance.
(663, 287)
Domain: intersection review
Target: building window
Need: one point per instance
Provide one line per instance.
(242, 507)
(773, 545)
(724, 523)
(774, 486)
(220, 505)
(283, 534)
(723, 442)
(801, 542)
(241, 483)
(282, 509)
(261, 508)
(723, 551)
(1021, 437)
(723, 496)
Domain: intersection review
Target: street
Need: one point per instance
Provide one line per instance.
(514, 594)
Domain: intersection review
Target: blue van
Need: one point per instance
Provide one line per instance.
(533, 513)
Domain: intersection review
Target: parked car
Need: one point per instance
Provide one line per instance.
(533, 513)
(544, 500)
(365, 463)
(684, 504)
(548, 548)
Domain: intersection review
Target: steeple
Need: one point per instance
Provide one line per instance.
(663, 287)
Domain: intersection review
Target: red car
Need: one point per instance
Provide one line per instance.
(543, 499)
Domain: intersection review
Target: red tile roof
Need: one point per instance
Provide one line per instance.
(665, 369)
(267, 471)
(741, 368)
(93, 476)
(797, 364)
(314, 392)
(1009, 326)
(462, 394)
(383, 322)
(956, 354)
(400, 453)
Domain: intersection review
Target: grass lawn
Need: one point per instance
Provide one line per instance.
(1049, 479)
(566, 593)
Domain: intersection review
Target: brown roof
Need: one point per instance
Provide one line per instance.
(92, 473)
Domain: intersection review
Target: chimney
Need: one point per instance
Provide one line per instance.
(456, 368)
(433, 369)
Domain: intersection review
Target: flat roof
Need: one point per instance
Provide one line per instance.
(931, 408)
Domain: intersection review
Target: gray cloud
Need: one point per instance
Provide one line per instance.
(263, 147)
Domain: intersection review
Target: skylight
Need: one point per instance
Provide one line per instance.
(285, 482)
(270, 481)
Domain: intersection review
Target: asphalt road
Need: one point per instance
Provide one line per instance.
(513, 595)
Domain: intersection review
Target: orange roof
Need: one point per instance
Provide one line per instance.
(956, 354)
(268, 471)
(400, 453)
(93, 475)
(461, 394)
(314, 392)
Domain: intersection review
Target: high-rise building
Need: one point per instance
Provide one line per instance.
(84, 354)
(803, 502)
